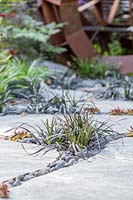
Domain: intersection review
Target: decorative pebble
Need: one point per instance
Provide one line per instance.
(16, 183)
(52, 169)
(71, 162)
(28, 177)
(59, 165)
(20, 177)
(69, 158)
(11, 181)
(28, 140)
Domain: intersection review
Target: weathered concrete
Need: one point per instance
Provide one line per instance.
(121, 123)
(107, 176)
(15, 161)
(107, 105)
(10, 121)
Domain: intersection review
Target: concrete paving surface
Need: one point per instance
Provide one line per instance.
(121, 123)
(14, 160)
(107, 176)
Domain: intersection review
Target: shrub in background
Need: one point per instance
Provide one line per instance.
(17, 76)
(94, 68)
(31, 37)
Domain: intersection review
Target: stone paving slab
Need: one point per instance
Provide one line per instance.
(107, 105)
(15, 161)
(122, 123)
(9, 121)
(107, 176)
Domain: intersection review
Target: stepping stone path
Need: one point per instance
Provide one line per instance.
(106, 176)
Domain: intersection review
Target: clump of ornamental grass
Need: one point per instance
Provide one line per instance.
(58, 103)
(6, 77)
(118, 87)
(72, 132)
(18, 77)
(94, 68)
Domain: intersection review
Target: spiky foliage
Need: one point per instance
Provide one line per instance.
(118, 87)
(6, 77)
(94, 68)
(33, 34)
(18, 76)
(30, 72)
(72, 132)
(30, 76)
(59, 103)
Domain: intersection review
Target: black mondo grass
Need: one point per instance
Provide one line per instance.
(71, 132)
(53, 103)
(85, 131)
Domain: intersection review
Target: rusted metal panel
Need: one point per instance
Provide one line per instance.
(55, 2)
(59, 2)
(50, 15)
(57, 14)
(125, 63)
(72, 34)
(69, 14)
(81, 45)
(98, 16)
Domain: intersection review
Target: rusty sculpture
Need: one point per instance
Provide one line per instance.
(73, 35)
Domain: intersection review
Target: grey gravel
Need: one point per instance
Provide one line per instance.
(16, 183)
(28, 140)
(16, 109)
(28, 177)
(59, 165)
(71, 162)
(11, 181)
(68, 158)
(20, 177)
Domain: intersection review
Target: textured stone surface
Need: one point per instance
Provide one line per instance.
(121, 123)
(15, 161)
(107, 176)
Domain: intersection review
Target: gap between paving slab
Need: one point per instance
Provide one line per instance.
(21, 159)
(107, 176)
